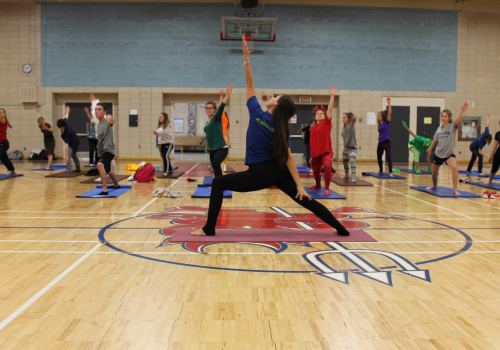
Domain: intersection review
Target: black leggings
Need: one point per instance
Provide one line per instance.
(384, 146)
(479, 156)
(258, 177)
(4, 157)
(165, 149)
(93, 151)
(217, 156)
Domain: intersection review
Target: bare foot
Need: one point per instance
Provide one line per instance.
(391, 175)
(198, 232)
(431, 188)
(456, 193)
(314, 187)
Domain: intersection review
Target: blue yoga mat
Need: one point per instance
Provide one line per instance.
(112, 192)
(472, 173)
(493, 186)
(207, 180)
(385, 176)
(91, 166)
(302, 169)
(8, 176)
(54, 167)
(320, 194)
(422, 172)
(160, 168)
(445, 192)
(203, 191)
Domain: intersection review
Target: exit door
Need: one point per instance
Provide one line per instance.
(399, 136)
(428, 119)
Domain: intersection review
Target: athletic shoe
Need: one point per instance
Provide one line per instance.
(494, 195)
(418, 171)
(486, 194)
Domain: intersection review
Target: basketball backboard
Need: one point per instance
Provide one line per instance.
(259, 28)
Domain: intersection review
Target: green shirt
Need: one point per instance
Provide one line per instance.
(213, 129)
(418, 142)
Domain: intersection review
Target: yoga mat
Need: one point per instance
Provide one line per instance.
(90, 165)
(54, 167)
(320, 194)
(473, 173)
(348, 182)
(445, 192)
(272, 235)
(64, 174)
(110, 182)
(422, 172)
(173, 175)
(303, 169)
(160, 168)
(207, 180)
(9, 176)
(203, 191)
(384, 176)
(493, 186)
(112, 192)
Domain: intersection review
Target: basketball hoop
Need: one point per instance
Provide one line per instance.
(248, 38)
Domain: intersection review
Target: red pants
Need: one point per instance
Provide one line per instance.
(323, 161)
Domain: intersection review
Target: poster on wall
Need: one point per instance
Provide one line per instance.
(178, 125)
(371, 118)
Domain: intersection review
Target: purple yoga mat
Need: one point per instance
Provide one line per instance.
(272, 235)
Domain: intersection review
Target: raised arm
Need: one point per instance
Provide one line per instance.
(333, 90)
(464, 108)
(87, 112)
(248, 70)
(389, 112)
(229, 89)
(488, 120)
(408, 129)
(221, 96)
(66, 110)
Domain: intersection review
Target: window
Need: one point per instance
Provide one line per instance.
(469, 128)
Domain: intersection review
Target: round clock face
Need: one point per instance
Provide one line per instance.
(27, 68)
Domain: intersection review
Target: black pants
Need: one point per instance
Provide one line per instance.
(93, 151)
(4, 157)
(165, 149)
(258, 177)
(479, 156)
(381, 147)
(217, 156)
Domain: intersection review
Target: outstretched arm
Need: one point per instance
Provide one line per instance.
(87, 112)
(464, 108)
(429, 150)
(221, 96)
(488, 120)
(292, 167)
(248, 70)
(408, 129)
(389, 112)
(66, 115)
(333, 90)
(229, 89)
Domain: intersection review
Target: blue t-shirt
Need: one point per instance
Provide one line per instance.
(480, 142)
(259, 134)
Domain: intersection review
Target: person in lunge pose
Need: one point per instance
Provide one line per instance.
(71, 142)
(476, 147)
(49, 142)
(269, 159)
(445, 151)
(321, 144)
(350, 144)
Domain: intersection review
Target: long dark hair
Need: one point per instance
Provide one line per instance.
(384, 117)
(280, 117)
(165, 121)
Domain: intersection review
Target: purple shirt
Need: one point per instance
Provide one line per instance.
(384, 131)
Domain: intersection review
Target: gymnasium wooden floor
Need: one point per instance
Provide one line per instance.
(101, 273)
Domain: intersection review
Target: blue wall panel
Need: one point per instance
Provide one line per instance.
(178, 45)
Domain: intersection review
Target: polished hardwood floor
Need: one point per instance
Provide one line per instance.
(91, 273)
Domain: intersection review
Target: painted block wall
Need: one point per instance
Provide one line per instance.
(172, 44)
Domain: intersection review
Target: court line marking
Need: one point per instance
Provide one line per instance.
(34, 298)
(421, 200)
(486, 205)
(158, 242)
(187, 172)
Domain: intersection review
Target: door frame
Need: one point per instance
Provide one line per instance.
(413, 103)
